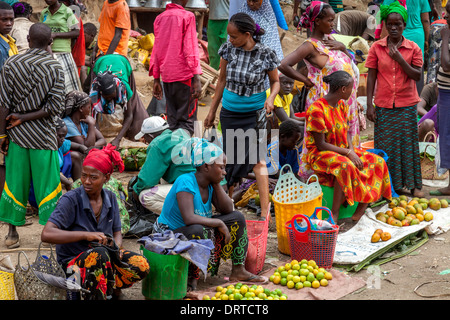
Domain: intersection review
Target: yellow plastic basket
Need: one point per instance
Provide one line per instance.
(7, 286)
(292, 197)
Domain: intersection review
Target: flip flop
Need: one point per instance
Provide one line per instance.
(437, 193)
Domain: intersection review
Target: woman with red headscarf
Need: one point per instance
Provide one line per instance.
(86, 228)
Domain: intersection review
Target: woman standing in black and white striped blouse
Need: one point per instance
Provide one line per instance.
(244, 65)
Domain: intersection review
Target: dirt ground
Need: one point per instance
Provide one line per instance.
(398, 278)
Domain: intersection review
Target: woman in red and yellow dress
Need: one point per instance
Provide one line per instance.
(356, 175)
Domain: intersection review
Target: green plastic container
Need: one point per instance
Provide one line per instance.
(327, 201)
(167, 279)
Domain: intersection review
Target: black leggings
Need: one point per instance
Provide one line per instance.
(236, 249)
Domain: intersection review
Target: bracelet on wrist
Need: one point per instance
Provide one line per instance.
(349, 150)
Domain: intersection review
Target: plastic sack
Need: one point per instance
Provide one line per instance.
(146, 42)
(143, 55)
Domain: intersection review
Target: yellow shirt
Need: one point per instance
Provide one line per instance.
(443, 3)
(12, 44)
(282, 102)
(298, 85)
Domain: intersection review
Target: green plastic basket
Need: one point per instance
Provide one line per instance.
(167, 279)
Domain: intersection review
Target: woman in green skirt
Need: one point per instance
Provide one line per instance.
(395, 64)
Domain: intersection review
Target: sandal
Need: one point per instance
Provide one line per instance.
(438, 193)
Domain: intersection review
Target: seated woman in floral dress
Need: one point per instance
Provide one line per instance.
(356, 175)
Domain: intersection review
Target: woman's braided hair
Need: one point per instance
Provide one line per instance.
(244, 23)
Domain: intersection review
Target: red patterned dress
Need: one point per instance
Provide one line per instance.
(367, 185)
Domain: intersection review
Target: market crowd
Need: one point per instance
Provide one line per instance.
(68, 98)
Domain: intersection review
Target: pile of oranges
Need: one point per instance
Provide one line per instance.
(241, 291)
(301, 274)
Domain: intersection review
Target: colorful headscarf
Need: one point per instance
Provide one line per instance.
(394, 7)
(199, 151)
(104, 159)
(106, 82)
(310, 14)
(74, 101)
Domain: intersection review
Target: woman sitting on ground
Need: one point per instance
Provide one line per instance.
(81, 127)
(356, 175)
(80, 225)
(188, 210)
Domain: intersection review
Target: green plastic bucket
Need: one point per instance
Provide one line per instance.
(327, 201)
(167, 279)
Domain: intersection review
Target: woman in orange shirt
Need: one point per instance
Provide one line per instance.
(395, 64)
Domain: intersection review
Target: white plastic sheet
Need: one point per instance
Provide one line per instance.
(355, 246)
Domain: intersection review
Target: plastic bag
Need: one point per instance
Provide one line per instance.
(141, 219)
(437, 160)
(140, 225)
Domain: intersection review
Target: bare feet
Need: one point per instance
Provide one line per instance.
(360, 210)
(238, 273)
(192, 284)
(12, 239)
(117, 295)
(335, 216)
(417, 193)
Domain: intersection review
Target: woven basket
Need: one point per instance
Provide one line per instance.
(29, 286)
(428, 166)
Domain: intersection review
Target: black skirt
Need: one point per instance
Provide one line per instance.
(243, 145)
